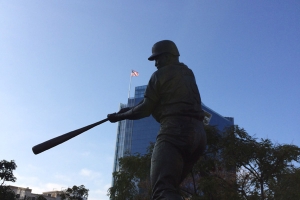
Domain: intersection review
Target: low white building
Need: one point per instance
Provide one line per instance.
(26, 193)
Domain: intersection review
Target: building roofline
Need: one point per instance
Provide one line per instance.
(216, 112)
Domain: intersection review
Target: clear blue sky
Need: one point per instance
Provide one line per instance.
(66, 64)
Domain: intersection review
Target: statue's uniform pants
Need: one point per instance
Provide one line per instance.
(179, 144)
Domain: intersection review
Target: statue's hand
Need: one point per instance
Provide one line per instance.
(113, 117)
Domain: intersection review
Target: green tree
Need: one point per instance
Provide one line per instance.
(41, 197)
(235, 166)
(75, 193)
(6, 171)
(6, 193)
(132, 181)
(238, 166)
(212, 180)
(260, 163)
(287, 186)
(6, 174)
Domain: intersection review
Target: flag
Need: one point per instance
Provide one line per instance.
(134, 73)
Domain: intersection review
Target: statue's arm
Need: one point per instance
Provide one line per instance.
(143, 109)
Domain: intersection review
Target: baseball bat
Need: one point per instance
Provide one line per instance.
(63, 138)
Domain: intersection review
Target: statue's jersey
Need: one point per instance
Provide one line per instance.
(174, 91)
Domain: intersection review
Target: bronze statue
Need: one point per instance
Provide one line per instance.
(173, 99)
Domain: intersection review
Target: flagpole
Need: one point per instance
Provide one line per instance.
(129, 85)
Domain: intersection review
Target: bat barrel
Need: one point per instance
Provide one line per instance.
(63, 138)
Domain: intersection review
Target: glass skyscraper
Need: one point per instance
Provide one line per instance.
(134, 136)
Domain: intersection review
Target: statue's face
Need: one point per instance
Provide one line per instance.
(161, 60)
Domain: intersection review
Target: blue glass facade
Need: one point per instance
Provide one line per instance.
(135, 135)
(213, 118)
